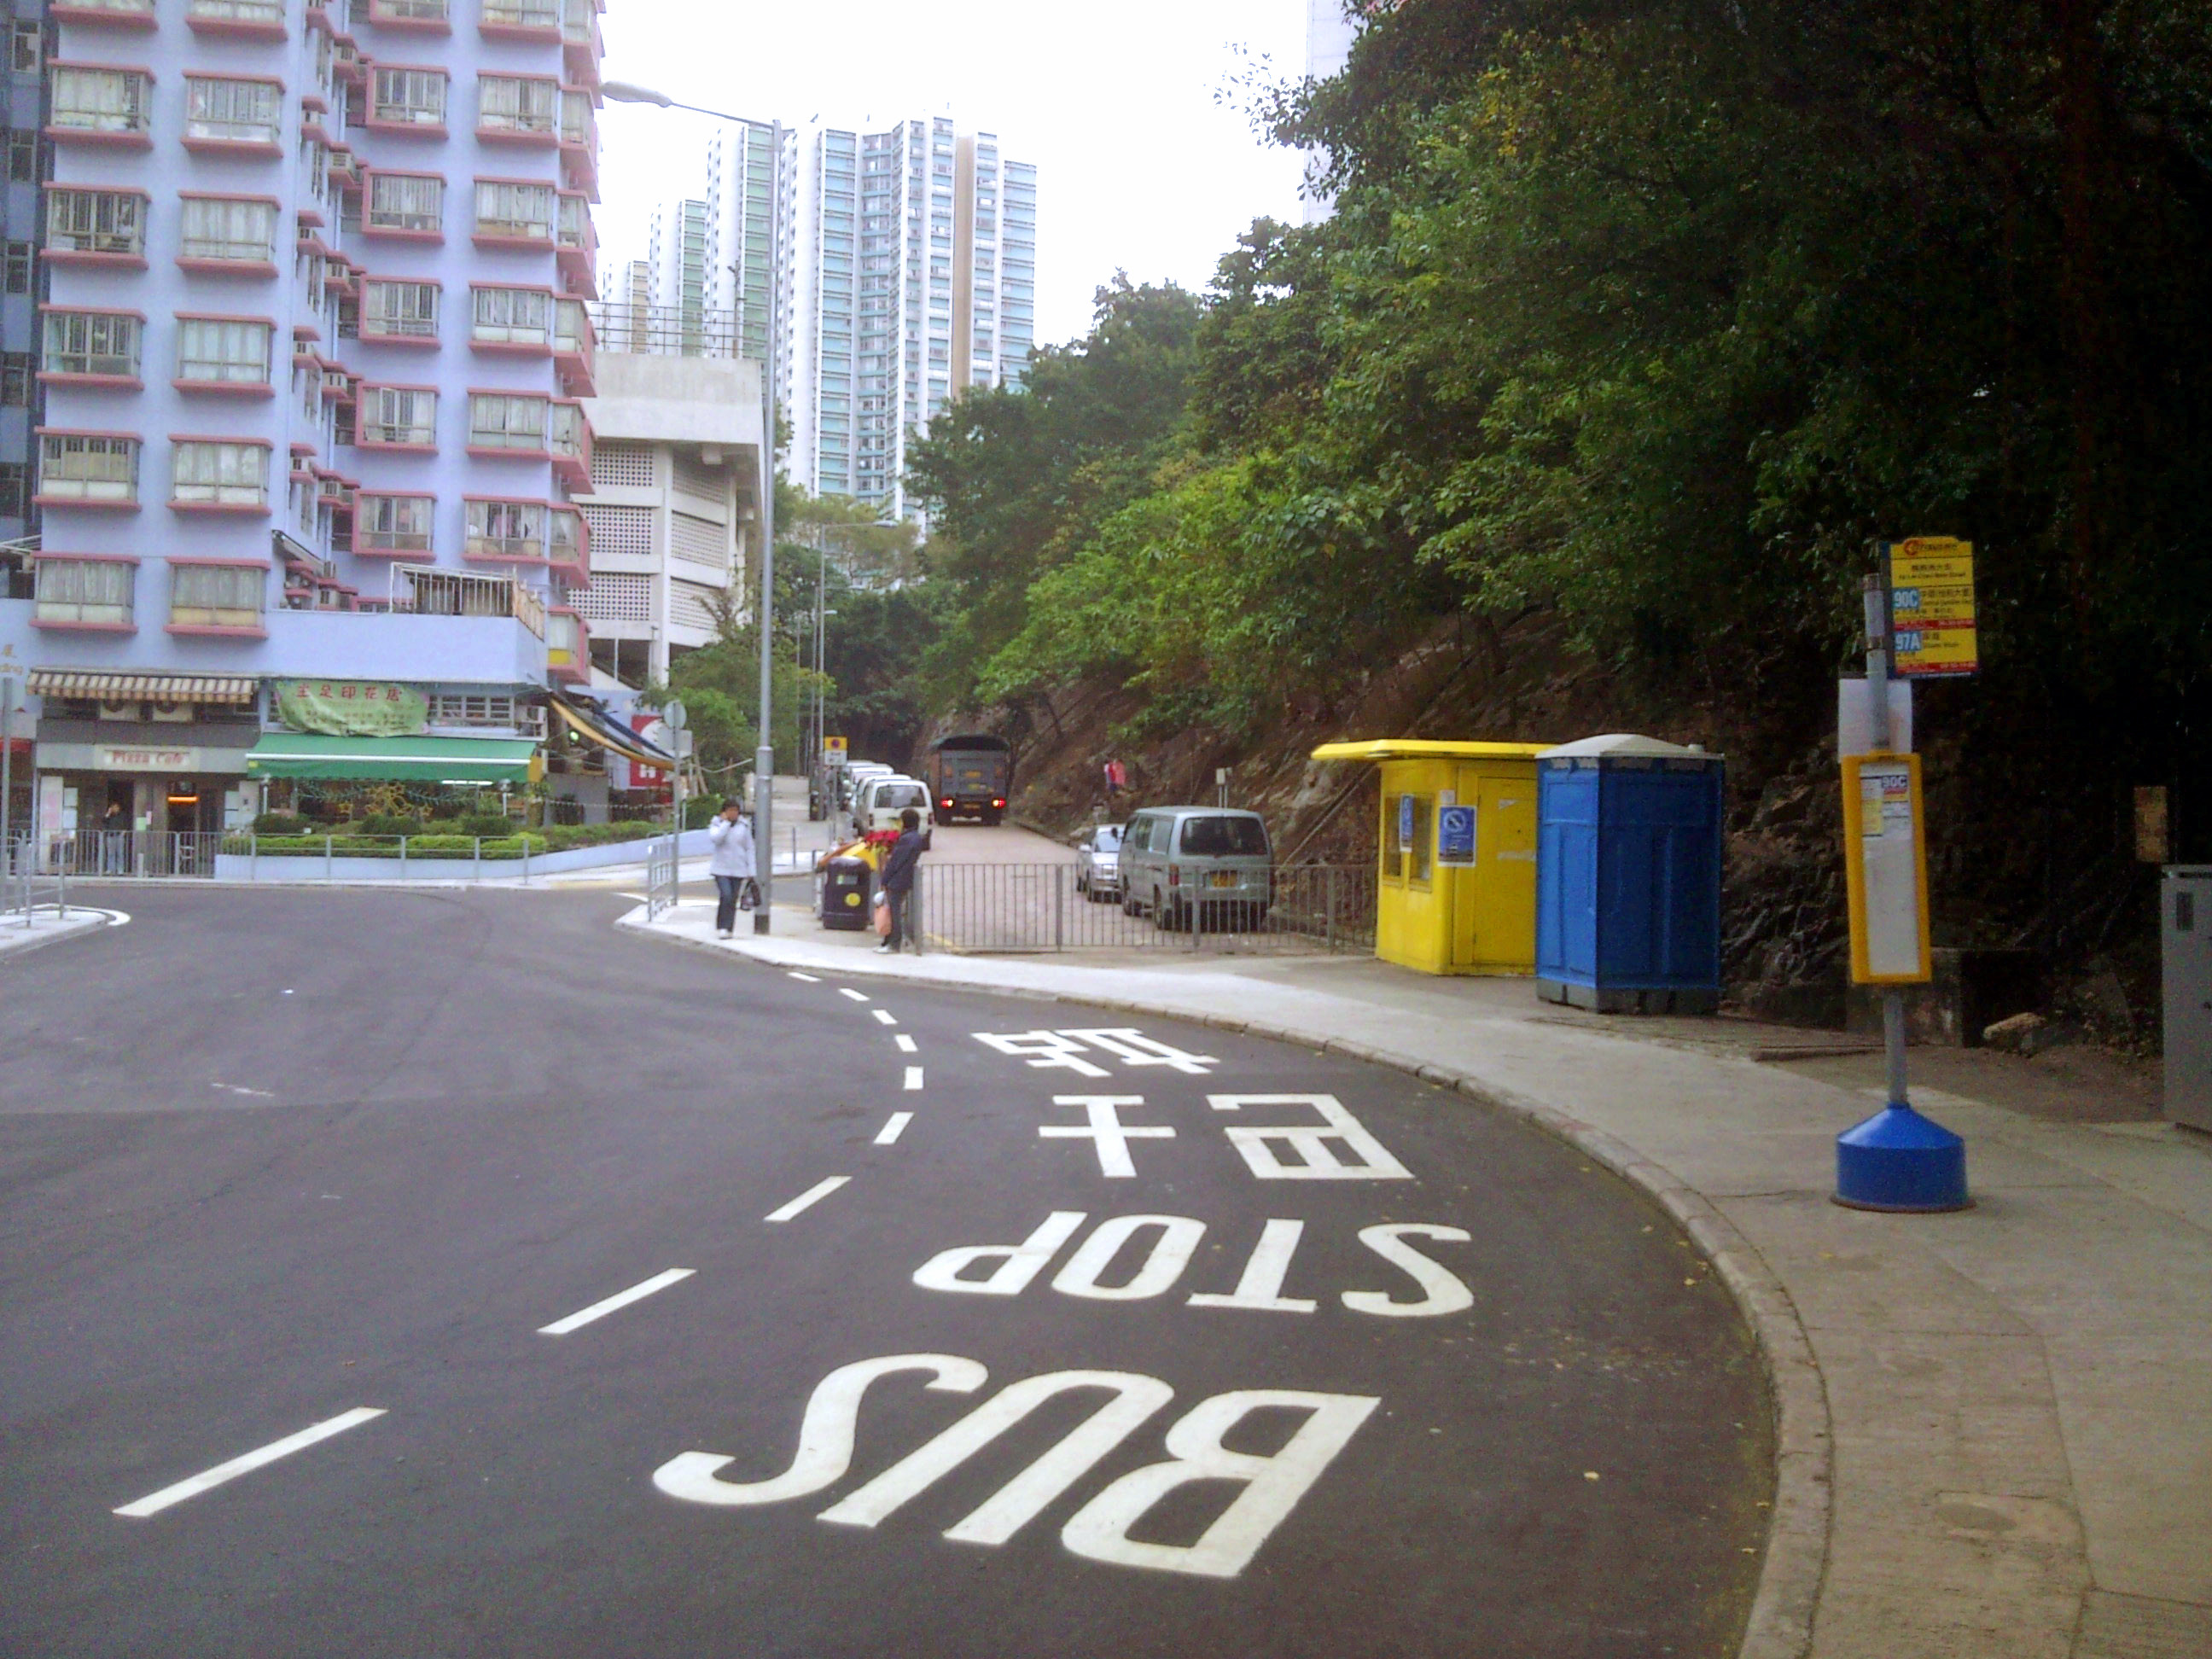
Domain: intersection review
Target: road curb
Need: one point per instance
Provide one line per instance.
(1795, 1566)
(39, 942)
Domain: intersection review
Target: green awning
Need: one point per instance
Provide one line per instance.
(407, 760)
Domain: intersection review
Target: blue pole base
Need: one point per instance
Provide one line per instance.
(1901, 1161)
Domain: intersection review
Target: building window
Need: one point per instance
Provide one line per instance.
(400, 201)
(17, 369)
(409, 98)
(392, 523)
(23, 154)
(516, 103)
(260, 13)
(399, 310)
(522, 13)
(208, 473)
(77, 467)
(100, 100)
(506, 530)
(222, 350)
(519, 210)
(225, 227)
(86, 592)
(499, 421)
(407, 11)
(95, 221)
(234, 112)
(398, 415)
(451, 709)
(512, 316)
(29, 46)
(17, 263)
(216, 595)
(92, 342)
(12, 478)
(567, 540)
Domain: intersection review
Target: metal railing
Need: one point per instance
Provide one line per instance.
(24, 886)
(660, 877)
(132, 854)
(1018, 909)
(663, 330)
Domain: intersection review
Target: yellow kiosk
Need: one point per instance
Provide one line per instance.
(1457, 890)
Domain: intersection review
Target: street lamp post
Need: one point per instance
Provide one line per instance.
(622, 91)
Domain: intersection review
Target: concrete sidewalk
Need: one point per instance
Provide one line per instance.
(47, 926)
(1996, 1426)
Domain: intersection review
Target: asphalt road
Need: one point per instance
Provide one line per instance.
(269, 1159)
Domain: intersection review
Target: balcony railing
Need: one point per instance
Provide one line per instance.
(663, 330)
(427, 591)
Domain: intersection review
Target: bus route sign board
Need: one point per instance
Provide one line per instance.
(1931, 607)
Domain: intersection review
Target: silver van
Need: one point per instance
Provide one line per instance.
(1203, 864)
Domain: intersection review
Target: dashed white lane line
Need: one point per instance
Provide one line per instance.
(885, 1016)
(847, 991)
(584, 1316)
(914, 1077)
(892, 1130)
(906, 1044)
(810, 979)
(154, 1502)
(819, 1190)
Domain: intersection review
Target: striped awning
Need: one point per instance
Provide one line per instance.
(130, 688)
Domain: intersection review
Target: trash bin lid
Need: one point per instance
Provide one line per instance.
(1627, 746)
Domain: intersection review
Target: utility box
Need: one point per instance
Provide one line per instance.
(1456, 881)
(2184, 916)
(1628, 876)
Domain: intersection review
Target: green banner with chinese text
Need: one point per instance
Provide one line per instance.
(352, 708)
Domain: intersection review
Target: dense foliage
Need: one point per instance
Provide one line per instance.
(1650, 314)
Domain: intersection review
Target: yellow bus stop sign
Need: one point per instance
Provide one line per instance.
(1931, 607)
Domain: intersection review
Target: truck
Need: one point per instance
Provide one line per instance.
(970, 775)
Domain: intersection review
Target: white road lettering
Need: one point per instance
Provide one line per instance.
(885, 1016)
(584, 1316)
(154, 1502)
(1023, 1498)
(913, 1079)
(1272, 1485)
(1106, 1128)
(1443, 1291)
(891, 1131)
(1261, 1289)
(825, 1434)
(1169, 1255)
(1017, 1263)
(905, 1043)
(818, 1191)
(1044, 1050)
(1134, 1047)
(847, 991)
(1317, 1156)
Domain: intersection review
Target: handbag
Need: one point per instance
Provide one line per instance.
(882, 916)
(747, 894)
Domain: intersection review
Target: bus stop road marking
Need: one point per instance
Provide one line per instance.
(154, 1502)
(885, 1016)
(847, 991)
(906, 1044)
(818, 1191)
(891, 1130)
(584, 1316)
(913, 1077)
(807, 979)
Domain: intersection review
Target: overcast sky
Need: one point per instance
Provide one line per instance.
(1142, 165)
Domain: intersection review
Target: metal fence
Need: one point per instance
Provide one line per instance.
(24, 887)
(661, 866)
(1013, 908)
(139, 853)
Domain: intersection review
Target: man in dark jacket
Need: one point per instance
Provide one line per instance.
(897, 878)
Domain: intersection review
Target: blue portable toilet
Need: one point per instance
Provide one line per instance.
(1628, 876)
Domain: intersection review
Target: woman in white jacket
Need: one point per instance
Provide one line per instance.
(732, 864)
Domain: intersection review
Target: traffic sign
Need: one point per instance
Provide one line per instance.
(674, 715)
(833, 751)
(1931, 607)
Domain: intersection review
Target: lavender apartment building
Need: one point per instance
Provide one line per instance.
(312, 347)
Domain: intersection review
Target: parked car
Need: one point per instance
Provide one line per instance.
(1098, 863)
(1182, 864)
(881, 801)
